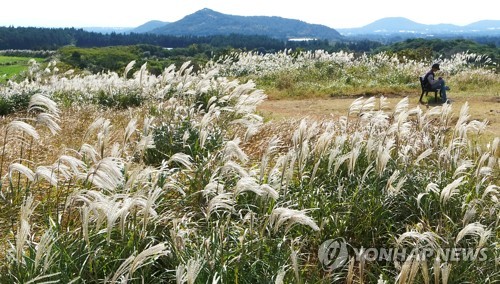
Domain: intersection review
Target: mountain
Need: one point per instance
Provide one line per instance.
(402, 26)
(149, 26)
(207, 22)
(485, 25)
(144, 28)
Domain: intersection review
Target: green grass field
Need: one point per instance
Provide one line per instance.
(13, 65)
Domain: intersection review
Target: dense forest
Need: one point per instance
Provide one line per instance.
(53, 38)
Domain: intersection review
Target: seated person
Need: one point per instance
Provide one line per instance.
(430, 81)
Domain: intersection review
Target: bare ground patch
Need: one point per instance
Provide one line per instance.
(480, 108)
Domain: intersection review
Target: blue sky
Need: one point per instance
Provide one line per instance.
(334, 14)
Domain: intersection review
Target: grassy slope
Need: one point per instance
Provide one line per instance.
(13, 65)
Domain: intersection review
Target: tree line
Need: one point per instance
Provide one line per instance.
(33, 38)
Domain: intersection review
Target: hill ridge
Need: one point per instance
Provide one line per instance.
(206, 22)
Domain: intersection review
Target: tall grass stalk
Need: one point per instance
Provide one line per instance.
(183, 190)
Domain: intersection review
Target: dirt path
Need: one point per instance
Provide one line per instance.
(480, 108)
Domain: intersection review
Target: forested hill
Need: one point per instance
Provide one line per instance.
(207, 22)
(53, 38)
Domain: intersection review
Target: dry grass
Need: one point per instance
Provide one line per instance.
(480, 108)
(74, 123)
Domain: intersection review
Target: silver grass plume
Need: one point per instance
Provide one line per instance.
(222, 201)
(103, 137)
(463, 116)
(87, 150)
(107, 173)
(142, 257)
(451, 190)
(181, 158)
(74, 163)
(50, 121)
(353, 157)
(474, 229)
(494, 146)
(184, 68)
(419, 199)
(384, 155)
(233, 151)
(414, 268)
(423, 156)
(39, 102)
(336, 150)
(360, 105)
(132, 263)
(414, 238)
(251, 184)
(180, 274)
(425, 270)
(323, 143)
(463, 167)
(214, 187)
(46, 173)
(470, 211)
(189, 272)
(295, 263)
(44, 278)
(44, 251)
(446, 112)
(401, 106)
(23, 230)
(149, 207)
(231, 168)
(481, 163)
(147, 125)
(493, 191)
(129, 67)
(391, 190)
(193, 268)
(142, 73)
(112, 208)
(252, 122)
(285, 216)
(271, 149)
(129, 130)
(24, 127)
(432, 187)
(20, 168)
(85, 217)
(99, 122)
(121, 274)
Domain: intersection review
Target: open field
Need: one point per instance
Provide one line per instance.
(4, 60)
(12, 65)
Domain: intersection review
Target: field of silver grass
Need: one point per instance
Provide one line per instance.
(172, 196)
(317, 73)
